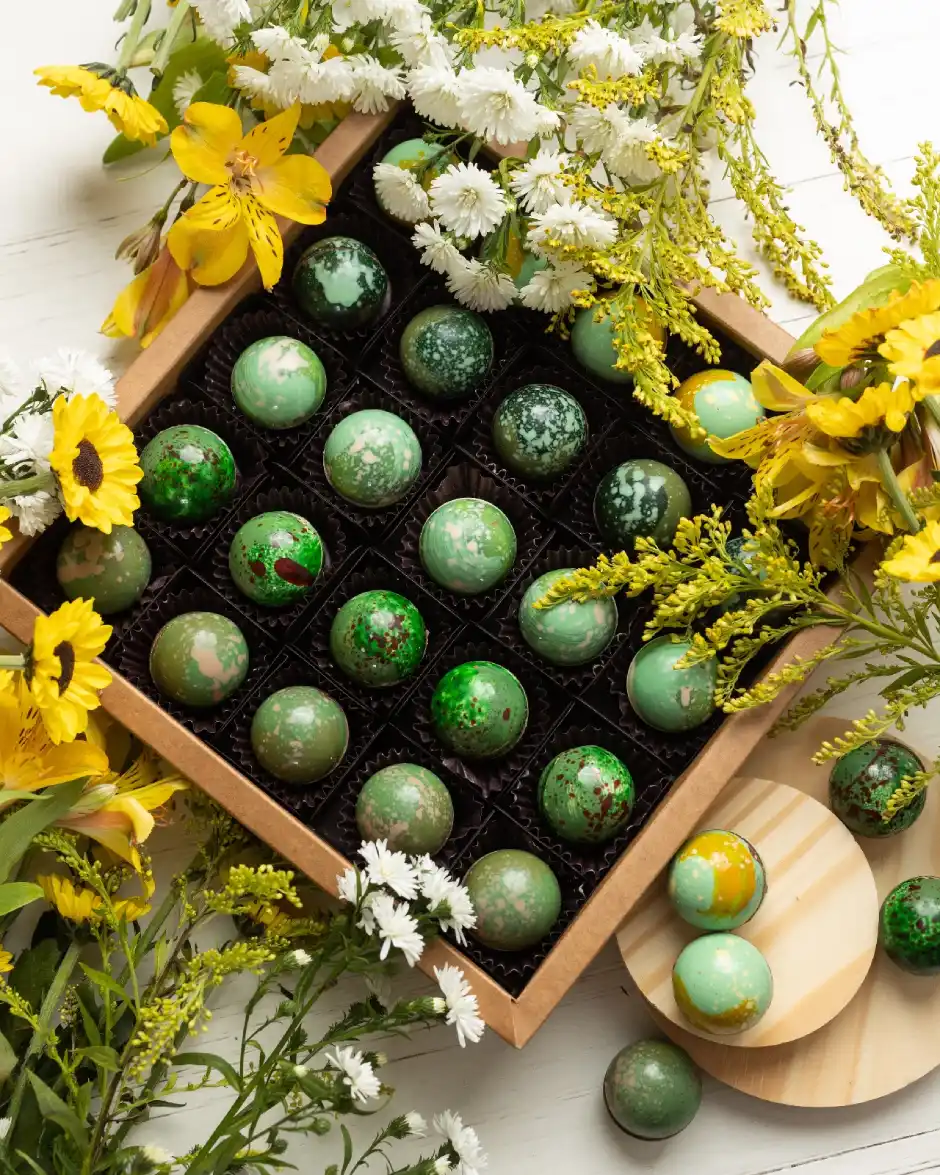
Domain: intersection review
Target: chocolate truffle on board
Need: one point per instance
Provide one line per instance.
(717, 881)
(586, 795)
(516, 898)
(340, 283)
(569, 633)
(372, 458)
(378, 638)
(722, 984)
(529, 266)
(723, 403)
(593, 342)
(652, 1089)
(539, 431)
(467, 545)
(189, 474)
(640, 497)
(111, 569)
(425, 160)
(199, 659)
(299, 734)
(408, 806)
(862, 782)
(446, 352)
(479, 710)
(278, 382)
(668, 698)
(909, 925)
(275, 558)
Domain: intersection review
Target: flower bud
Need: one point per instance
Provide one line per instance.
(142, 247)
(801, 364)
(850, 378)
(93, 799)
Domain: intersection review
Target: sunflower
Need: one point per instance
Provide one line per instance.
(76, 903)
(860, 336)
(864, 425)
(6, 961)
(917, 560)
(913, 351)
(98, 87)
(96, 462)
(5, 533)
(61, 673)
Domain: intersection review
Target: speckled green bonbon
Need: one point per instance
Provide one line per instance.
(724, 404)
(593, 343)
(539, 431)
(568, 633)
(717, 880)
(586, 795)
(446, 352)
(278, 382)
(862, 782)
(199, 659)
(516, 898)
(111, 569)
(407, 806)
(340, 283)
(722, 984)
(275, 558)
(652, 1089)
(189, 474)
(640, 497)
(299, 734)
(909, 925)
(378, 638)
(667, 698)
(479, 710)
(372, 458)
(467, 545)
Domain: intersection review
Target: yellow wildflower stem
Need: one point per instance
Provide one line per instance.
(890, 482)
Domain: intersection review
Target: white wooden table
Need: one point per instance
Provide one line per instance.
(539, 1110)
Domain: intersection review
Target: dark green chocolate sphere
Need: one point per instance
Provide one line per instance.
(446, 352)
(275, 558)
(570, 633)
(299, 734)
(372, 458)
(199, 659)
(539, 431)
(640, 497)
(189, 474)
(479, 710)
(586, 795)
(516, 898)
(652, 1089)
(909, 926)
(340, 283)
(111, 569)
(862, 782)
(408, 806)
(378, 638)
(668, 698)
(278, 382)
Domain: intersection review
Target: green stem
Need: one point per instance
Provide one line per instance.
(47, 1012)
(932, 404)
(16, 661)
(897, 495)
(28, 485)
(173, 29)
(132, 36)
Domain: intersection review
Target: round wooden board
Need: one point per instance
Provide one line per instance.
(817, 925)
(889, 1034)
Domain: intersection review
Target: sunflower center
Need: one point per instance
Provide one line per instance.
(933, 350)
(87, 468)
(935, 557)
(66, 655)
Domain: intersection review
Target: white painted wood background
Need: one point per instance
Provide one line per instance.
(539, 1110)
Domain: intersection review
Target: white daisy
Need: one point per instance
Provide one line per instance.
(256, 84)
(674, 48)
(156, 1154)
(387, 868)
(494, 104)
(12, 382)
(416, 1125)
(396, 928)
(571, 224)
(68, 370)
(610, 54)
(332, 80)
(357, 1072)
(220, 18)
(349, 886)
(539, 183)
(626, 156)
(440, 890)
(547, 122)
(462, 1007)
(594, 129)
(466, 200)
(34, 512)
(419, 44)
(442, 1165)
(399, 192)
(551, 288)
(481, 287)
(31, 438)
(435, 92)
(274, 41)
(299, 1071)
(296, 959)
(464, 1141)
(437, 251)
(349, 12)
(375, 84)
(185, 88)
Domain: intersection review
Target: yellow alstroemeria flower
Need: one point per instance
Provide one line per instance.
(146, 305)
(113, 93)
(865, 424)
(917, 560)
(253, 181)
(913, 351)
(861, 335)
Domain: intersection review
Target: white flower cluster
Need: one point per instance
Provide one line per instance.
(392, 894)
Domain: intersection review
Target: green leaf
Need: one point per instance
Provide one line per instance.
(104, 982)
(54, 1109)
(16, 894)
(216, 88)
(903, 680)
(17, 831)
(101, 1055)
(210, 1061)
(7, 1058)
(874, 291)
(35, 969)
(820, 374)
(83, 994)
(347, 1148)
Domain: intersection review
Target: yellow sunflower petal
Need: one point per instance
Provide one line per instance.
(860, 335)
(918, 558)
(268, 141)
(67, 81)
(265, 239)
(5, 533)
(296, 187)
(205, 140)
(913, 351)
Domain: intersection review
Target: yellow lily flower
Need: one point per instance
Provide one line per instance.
(111, 92)
(917, 560)
(146, 305)
(253, 181)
